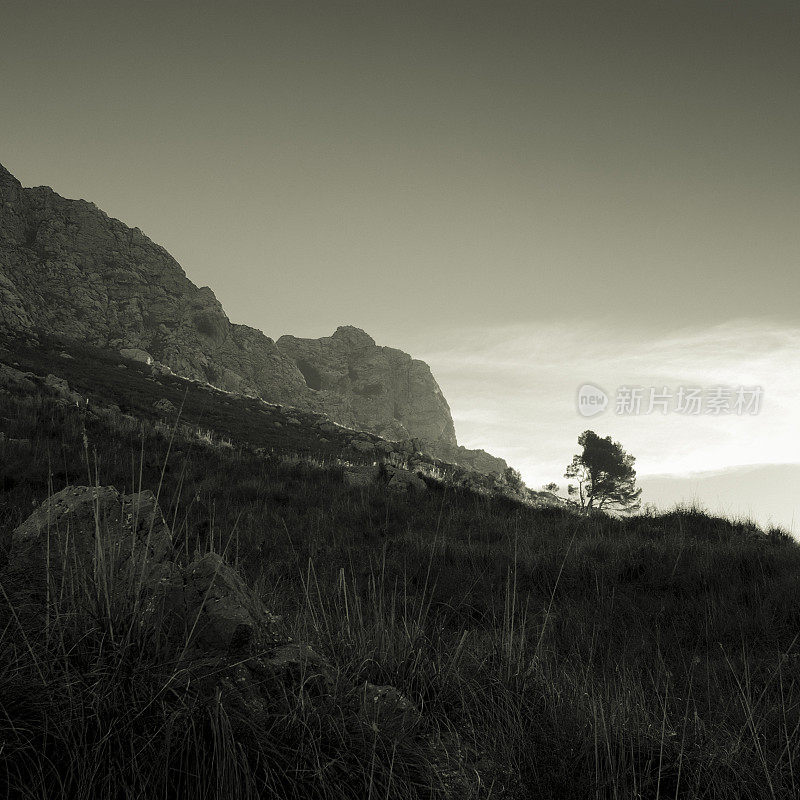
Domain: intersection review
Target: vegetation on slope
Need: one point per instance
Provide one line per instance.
(568, 656)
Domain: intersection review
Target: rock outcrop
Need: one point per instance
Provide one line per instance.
(68, 269)
(380, 388)
(85, 525)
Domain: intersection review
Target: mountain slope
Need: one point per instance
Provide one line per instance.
(68, 269)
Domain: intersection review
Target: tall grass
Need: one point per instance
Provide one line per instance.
(546, 655)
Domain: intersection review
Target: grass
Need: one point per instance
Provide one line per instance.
(549, 655)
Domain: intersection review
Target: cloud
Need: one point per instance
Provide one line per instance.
(512, 391)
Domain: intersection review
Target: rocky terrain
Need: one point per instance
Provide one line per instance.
(68, 268)
(106, 387)
(386, 390)
(203, 594)
(219, 641)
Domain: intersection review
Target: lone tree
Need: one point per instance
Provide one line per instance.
(606, 479)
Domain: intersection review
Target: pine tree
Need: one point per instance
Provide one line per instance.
(606, 479)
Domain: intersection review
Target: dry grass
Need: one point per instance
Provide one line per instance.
(550, 655)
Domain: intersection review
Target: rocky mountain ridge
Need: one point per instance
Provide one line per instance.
(68, 268)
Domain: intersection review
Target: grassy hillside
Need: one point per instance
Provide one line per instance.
(108, 378)
(652, 657)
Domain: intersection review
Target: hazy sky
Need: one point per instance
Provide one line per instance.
(447, 174)
(515, 387)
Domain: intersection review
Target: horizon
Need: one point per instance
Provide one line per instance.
(528, 199)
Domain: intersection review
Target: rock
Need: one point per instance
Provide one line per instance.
(163, 406)
(478, 460)
(477, 482)
(298, 664)
(295, 656)
(362, 446)
(211, 605)
(62, 388)
(135, 354)
(361, 477)
(394, 479)
(402, 481)
(84, 531)
(367, 387)
(385, 706)
(384, 447)
(9, 376)
(408, 446)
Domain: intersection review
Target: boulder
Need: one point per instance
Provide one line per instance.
(208, 605)
(135, 354)
(62, 388)
(85, 524)
(88, 535)
(384, 448)
(299, 664)
(362, 446)
(165, 407)
(386, 707)
(330, 427)
(361, 477)
(478, 460)
(402, 481)
(10, 376)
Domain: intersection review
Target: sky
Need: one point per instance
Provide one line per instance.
(743, 463)
(528, 195)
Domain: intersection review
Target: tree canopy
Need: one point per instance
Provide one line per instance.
(606, 479)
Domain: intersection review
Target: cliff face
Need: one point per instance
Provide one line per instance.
(68, 269)
(384, 389)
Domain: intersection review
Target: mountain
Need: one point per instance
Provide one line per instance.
(380, 388)
(68, 269)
